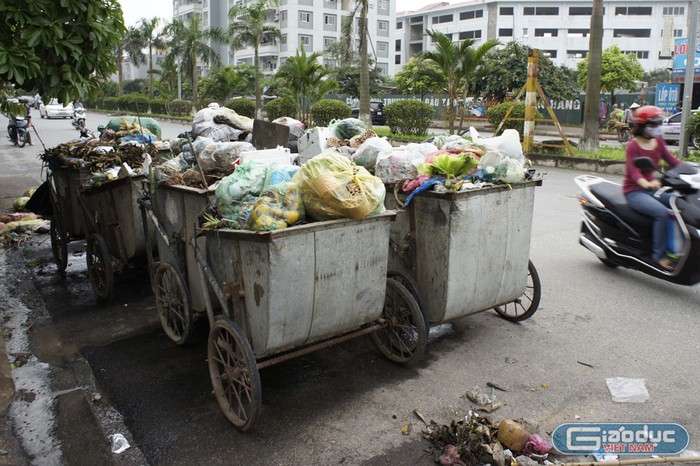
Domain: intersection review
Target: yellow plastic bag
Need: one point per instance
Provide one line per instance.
(334, 187)
(278, 207)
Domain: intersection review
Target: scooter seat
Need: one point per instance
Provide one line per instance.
(610, 194)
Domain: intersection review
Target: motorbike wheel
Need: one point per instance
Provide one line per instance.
(21, 137)
(694, 141)
(623, 136)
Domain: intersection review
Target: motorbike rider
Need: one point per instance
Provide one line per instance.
(640, 186)
(14, 122)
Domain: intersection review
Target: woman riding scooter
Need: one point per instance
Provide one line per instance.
(640, 186)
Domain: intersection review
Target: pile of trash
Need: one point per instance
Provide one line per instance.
(221, 124)
(18, 226)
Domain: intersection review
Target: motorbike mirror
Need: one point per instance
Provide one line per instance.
(644, 162)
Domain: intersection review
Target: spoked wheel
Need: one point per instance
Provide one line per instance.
(21, 138)
(99, 264)
(526, 305)
(173, 304)
(234, 375)
(405, 335)
(59, 242)
(411, 285)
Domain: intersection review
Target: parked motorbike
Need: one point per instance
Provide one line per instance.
(623, 133)
(20, 136)
(620, 236)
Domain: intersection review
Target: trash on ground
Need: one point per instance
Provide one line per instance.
(119, 443)
(624, 390)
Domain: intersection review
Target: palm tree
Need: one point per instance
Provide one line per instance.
(131, 46)
(347, 37)
(306, 80)
(250, 26)
(448, 57)
(471, 59)
(151, 39)
(589, 141)
(188, 42)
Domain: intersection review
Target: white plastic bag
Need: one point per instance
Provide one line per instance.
(367, 154)
(507, 143)
(399, 164)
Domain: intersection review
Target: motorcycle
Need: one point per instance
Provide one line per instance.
(20, 136)
(620, 236)
(78, 118)
(623, 133)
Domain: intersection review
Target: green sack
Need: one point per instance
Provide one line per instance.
(148, 123)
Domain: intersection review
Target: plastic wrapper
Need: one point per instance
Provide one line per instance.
(180, 163)
(226, 116)
(366, 155)
(248, 179)
(296, 127)
(507, 143)
(176, 145)
(280, 173)
(333, 187)
(346, 128)
(219, 156)
(398, 164)
(221, 133)
(202, 122)
(452, 143)
(246, 208)
(494, 166)
(448, 164)
(279, 206)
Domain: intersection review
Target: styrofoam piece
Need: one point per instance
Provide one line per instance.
(269, 156)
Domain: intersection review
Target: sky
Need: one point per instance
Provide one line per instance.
(134, 10)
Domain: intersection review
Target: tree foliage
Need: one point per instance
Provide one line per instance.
(348, 79)
(420, 77)
(657, 76)
(505, 71)
(223, 83)
(618, 71)
(60, 49)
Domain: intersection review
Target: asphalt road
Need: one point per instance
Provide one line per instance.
(347, 404)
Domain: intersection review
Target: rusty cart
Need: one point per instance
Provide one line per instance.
(170, 216)
(67, 220)
(466, 252)
(285, 293)
(114, 230)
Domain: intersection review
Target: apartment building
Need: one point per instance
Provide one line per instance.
(313, 23)
(559, 28)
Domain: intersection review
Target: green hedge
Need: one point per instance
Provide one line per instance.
(110, 103)
(325, 110)
(180, 107)
(411, 117)
(159, 106)
(496, 114)
(281, 107)
(242, 106)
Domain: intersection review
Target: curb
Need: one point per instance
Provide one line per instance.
(7, 383)
(613, 167)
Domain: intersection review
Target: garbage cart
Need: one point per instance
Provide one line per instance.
(288, 292)
(461, 253)
(67, 220)
(170, 219)
(114, 229)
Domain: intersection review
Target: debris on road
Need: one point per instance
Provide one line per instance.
(624, 390)
(119, 443)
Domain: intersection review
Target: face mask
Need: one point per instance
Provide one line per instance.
(652, 132)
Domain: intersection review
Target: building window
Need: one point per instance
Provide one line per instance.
(580, 11)
(397, 59)
(383, 28)
(383, 4)
(305, 17)
(383, 49)
(577, 32)
(633, 11)
(448, 35)
(640, 54)
(678, 33)
(505, 33)
(442, 19)
(328, 41)
(506, 11)
(329, 20)
(631, 32)
(546, 32)
(470, 34)
(674, 10)
(471, 14)
(541, 11)
(397, 47)
(550, 53)
(306, 41)
(524, 32)
(283, 16)
(576, 53)
(399, 25)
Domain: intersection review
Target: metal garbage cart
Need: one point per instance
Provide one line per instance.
(68, 222)
(173, 212)
(288, 292)
(465, 252)
(114, 229)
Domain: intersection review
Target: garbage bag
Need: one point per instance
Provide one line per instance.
(366, 155)
(494, 166)
(507, 143)
(399, 164)
(279, 206)
(248, 179)
(225, 115)
(333, 187)
(280, 173)
(346, 128)
(150, 124)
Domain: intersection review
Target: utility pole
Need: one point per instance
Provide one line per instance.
(689, 76)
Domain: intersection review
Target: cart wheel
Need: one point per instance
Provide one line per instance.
(405, 336)
(59, 243)
(234, 375)
(173, 304)
(526, 305)
(99, 264)
(412, 286)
